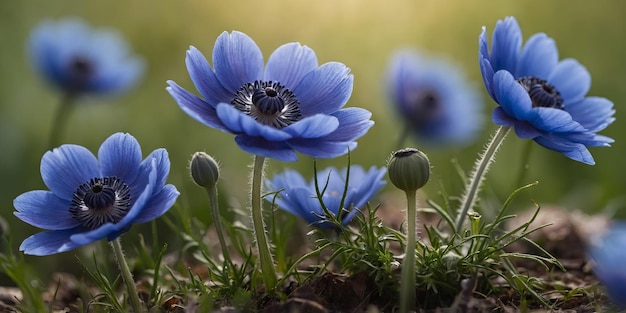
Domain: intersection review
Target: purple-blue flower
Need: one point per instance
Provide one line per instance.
(608, 253)
(434, 99)
(79, 59)
(91, 198)
(291, 104)
(299, 198)
(544, 99)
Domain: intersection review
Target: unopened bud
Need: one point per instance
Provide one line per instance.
(204, 170)
(409, 169)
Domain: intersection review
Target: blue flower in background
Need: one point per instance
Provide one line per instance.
(609, 253)
(79, 59)
(300, 198)
(541, 97)
(434, 100)
(90, 198)
(291, 104)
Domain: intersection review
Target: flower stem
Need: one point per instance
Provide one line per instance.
(407, 282)
(267, 263)
(525, 164)
(215, 211)
(127, 276)
(480, 169)
(60, 118)
(403, 135)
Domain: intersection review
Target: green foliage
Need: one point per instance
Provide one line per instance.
(15, 268)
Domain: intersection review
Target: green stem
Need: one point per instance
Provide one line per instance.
(407, 282)
(403, 135)
(127, 276)
(525, 164)
(480, 169)
(60, 118)
(215, 211)
(267, 263)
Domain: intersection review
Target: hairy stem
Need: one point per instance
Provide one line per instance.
(215, 212)
(267, 263)
(127, 276)
(407, 282)
(480, 170)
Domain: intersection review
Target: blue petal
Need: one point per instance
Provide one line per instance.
(87, 237)
(553, 120)
(315, 126)
(511, 95)
(608, 256)
(162, 161)
(290, 199)
(483, 45)
(525, 130)
(483, 61)
(195, 107)
(331, 179)
(238, 122)
(593, 113)
(369, 183)
(45, 210)
(67, 167)
(237, 60)
(588, 139)
(321, 148)
(204, 78)
(158, 204)
(50, 242)
(118, 75)
(120, 155)
(289, 64)
(157, 161)
(571, 79)
(574, 151)
(505, 45)
(500, 117)
(324, 90)
(353, 124)
(539, 57)
(285, 180)
(278, 150)
(307, 205)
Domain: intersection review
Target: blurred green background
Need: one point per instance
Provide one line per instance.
(359, 33)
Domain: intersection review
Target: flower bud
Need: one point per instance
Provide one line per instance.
(204, 170)
(408, 169)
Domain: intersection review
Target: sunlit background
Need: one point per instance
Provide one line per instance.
(359, 33)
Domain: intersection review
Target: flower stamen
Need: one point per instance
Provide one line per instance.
(269, 103)
(541, 93)
(100, 201)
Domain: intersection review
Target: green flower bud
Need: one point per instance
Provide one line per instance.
(204, 170)
(408, 169)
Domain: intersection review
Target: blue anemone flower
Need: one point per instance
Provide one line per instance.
(91, 198)
(291, 104)
(434, 99)
(300, 198)
(541, 97)
(79, 59)
(608, 254)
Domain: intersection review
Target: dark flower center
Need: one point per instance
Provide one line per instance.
(269, 103)
(80, 69)
(100, 201)
(425, 107)
(541, 93)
